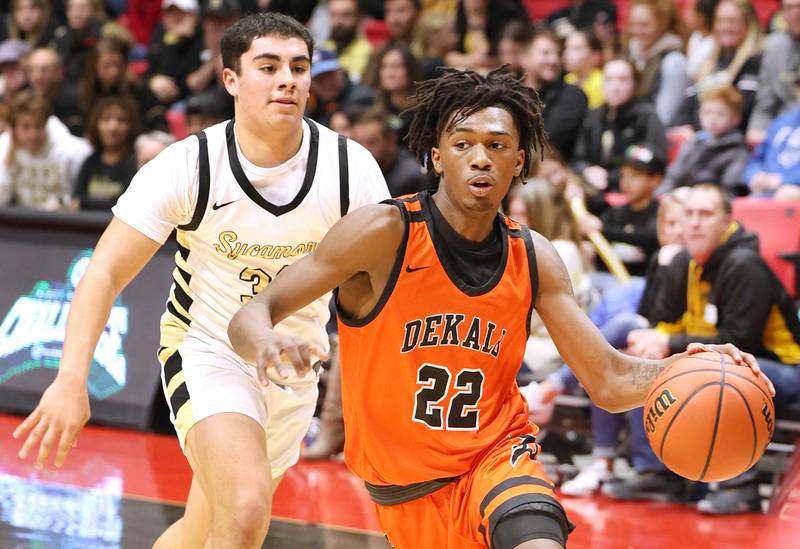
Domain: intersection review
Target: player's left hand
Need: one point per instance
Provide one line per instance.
(739, 357)
(284, 354)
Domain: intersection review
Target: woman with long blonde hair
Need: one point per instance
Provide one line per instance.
(735, 60)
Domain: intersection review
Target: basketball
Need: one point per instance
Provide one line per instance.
(707, 418)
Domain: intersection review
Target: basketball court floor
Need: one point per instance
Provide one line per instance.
(122, 488)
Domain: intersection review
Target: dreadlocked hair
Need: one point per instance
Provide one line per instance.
(440, 104)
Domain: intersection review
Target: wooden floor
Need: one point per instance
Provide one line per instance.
(122, 489)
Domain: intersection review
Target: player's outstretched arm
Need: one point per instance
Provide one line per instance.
(353, 256)
(64, 407)
(614, 381)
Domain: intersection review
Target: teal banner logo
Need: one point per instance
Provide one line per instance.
(32, 333)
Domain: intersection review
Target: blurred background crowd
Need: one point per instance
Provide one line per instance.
(659, 114)
(710, 87)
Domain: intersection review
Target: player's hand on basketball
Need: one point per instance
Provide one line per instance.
(55, 423)
(738, 356)
(284, 354)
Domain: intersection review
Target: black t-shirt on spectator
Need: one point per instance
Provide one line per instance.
(565, 108)
(99, 184)
(177, 59)
(637, 228)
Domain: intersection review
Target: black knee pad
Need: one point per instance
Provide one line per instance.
(533, 520)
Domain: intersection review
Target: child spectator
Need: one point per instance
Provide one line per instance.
(36, 170)
(106, 174)
(631, 228)
(719, 153)
(583, 57)
(608, 131)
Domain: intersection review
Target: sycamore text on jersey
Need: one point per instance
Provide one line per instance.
(230, 247)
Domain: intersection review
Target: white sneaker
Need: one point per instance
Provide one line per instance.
(588, 481)
(540, 413)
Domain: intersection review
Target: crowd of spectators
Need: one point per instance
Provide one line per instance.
(637, 106)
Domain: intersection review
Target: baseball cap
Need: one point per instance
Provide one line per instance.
(645, 158)
(221, 9)
(213, 102)
(323, 61)
(12, 50)
(189, 6)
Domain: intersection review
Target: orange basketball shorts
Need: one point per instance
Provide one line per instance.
(464, 514)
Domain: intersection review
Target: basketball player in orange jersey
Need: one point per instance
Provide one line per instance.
(434, 295)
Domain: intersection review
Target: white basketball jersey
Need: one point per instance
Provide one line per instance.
(233, 241)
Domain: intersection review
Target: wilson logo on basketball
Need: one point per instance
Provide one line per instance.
(658, 409)
(765, 411)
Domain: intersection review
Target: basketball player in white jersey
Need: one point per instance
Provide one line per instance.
(248, 197)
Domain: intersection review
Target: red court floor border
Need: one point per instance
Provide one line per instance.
(152, 467)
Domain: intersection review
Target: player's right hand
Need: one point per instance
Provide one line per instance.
(55, 423)
(285, 353)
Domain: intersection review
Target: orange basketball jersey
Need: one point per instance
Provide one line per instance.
(429, 376)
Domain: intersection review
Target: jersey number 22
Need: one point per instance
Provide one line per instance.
(463, 413)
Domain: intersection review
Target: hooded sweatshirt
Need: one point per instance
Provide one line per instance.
(734, 298)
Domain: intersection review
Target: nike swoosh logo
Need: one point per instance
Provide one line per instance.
(218, 206)
(410, 269)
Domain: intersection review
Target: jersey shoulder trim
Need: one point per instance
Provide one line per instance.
(344, 177)
(252, 192)
(523, 232)
(390, 283)
(204, 176)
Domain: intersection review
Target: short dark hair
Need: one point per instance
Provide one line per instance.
(239, 36)
(441, 103)
(724, 196)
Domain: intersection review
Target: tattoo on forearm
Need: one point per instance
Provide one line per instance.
(643, 373)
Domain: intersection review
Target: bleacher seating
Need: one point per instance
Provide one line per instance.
(777, 225)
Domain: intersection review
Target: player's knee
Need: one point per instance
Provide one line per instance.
(246, 512)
